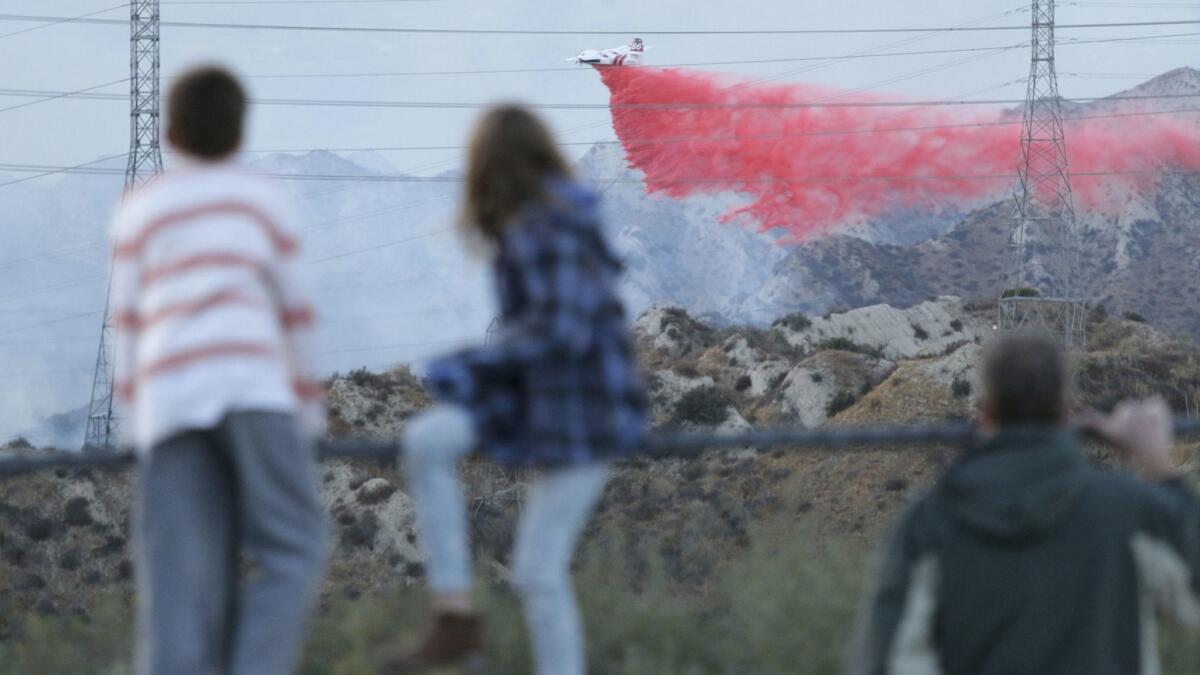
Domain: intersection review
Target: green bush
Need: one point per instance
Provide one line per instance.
(961, 388)
(1133, 316)
(362, 377)
(841, 344)
(795, 322)
(839, 402)
(703, 406)
(1023, 292)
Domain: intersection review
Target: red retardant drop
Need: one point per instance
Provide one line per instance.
(810, 170)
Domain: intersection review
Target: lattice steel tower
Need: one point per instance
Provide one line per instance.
(145, 160)
(1043, 285)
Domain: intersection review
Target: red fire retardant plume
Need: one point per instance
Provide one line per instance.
(808, 170)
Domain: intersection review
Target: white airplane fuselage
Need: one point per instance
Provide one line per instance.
(625, 55)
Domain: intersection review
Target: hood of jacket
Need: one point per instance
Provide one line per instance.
(1021, 483)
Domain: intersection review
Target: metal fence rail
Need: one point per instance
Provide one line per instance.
(660, 445)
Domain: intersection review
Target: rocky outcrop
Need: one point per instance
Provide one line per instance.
(826, 383)
(923, 330)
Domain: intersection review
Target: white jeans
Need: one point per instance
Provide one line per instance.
(558, 505)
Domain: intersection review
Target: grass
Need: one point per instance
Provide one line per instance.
(97, 644)
(783, 605)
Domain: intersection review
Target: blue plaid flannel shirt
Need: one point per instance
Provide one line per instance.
(559, 385)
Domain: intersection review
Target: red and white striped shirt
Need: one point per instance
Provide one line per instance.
(210, 310)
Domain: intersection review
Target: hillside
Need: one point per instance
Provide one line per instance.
(63, 536)
(1129, 256)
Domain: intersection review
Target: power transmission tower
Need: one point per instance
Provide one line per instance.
(145, 160)
(493, 329)
(1043, 287)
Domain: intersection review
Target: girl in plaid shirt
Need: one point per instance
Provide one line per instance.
(557, 390)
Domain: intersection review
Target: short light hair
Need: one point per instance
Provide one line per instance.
(1025, 379)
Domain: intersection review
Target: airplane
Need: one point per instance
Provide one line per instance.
(625, 55)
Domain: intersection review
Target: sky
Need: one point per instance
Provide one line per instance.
(68, 57)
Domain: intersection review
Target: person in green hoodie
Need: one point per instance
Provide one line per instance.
(1025, 557)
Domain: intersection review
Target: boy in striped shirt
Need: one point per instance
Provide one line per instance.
(215, 367)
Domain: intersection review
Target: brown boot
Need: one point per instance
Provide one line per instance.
(452, 639)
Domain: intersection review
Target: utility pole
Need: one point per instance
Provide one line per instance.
(1043, 285)
(145, 160)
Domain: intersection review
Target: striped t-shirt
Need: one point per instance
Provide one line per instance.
(210, 310)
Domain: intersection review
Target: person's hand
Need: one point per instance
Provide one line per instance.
(1142, 431)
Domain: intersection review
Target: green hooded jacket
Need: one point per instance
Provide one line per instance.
(1026, 558)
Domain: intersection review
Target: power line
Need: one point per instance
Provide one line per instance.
(907, 76)
(78, 93)
(758, 137)
(64, 169)
(376, 247)
(55, 95)
(53, 288)
(891, 45)
(63, 319)
(31, 310)
(42, 341)
(378, 212)
(408, 280)
(49, 255)
(399, 315)
(39, 373)
(475, 105)
(583, 69)
(237, 3)
(67, 19)
(1137, 5)
(530, 31)
(1161, 38)
(82, 168)
(1106, 76)
(736, 62)
(731, 180)
(406, 345)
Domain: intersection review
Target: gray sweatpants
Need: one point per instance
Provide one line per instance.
(247, 487)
